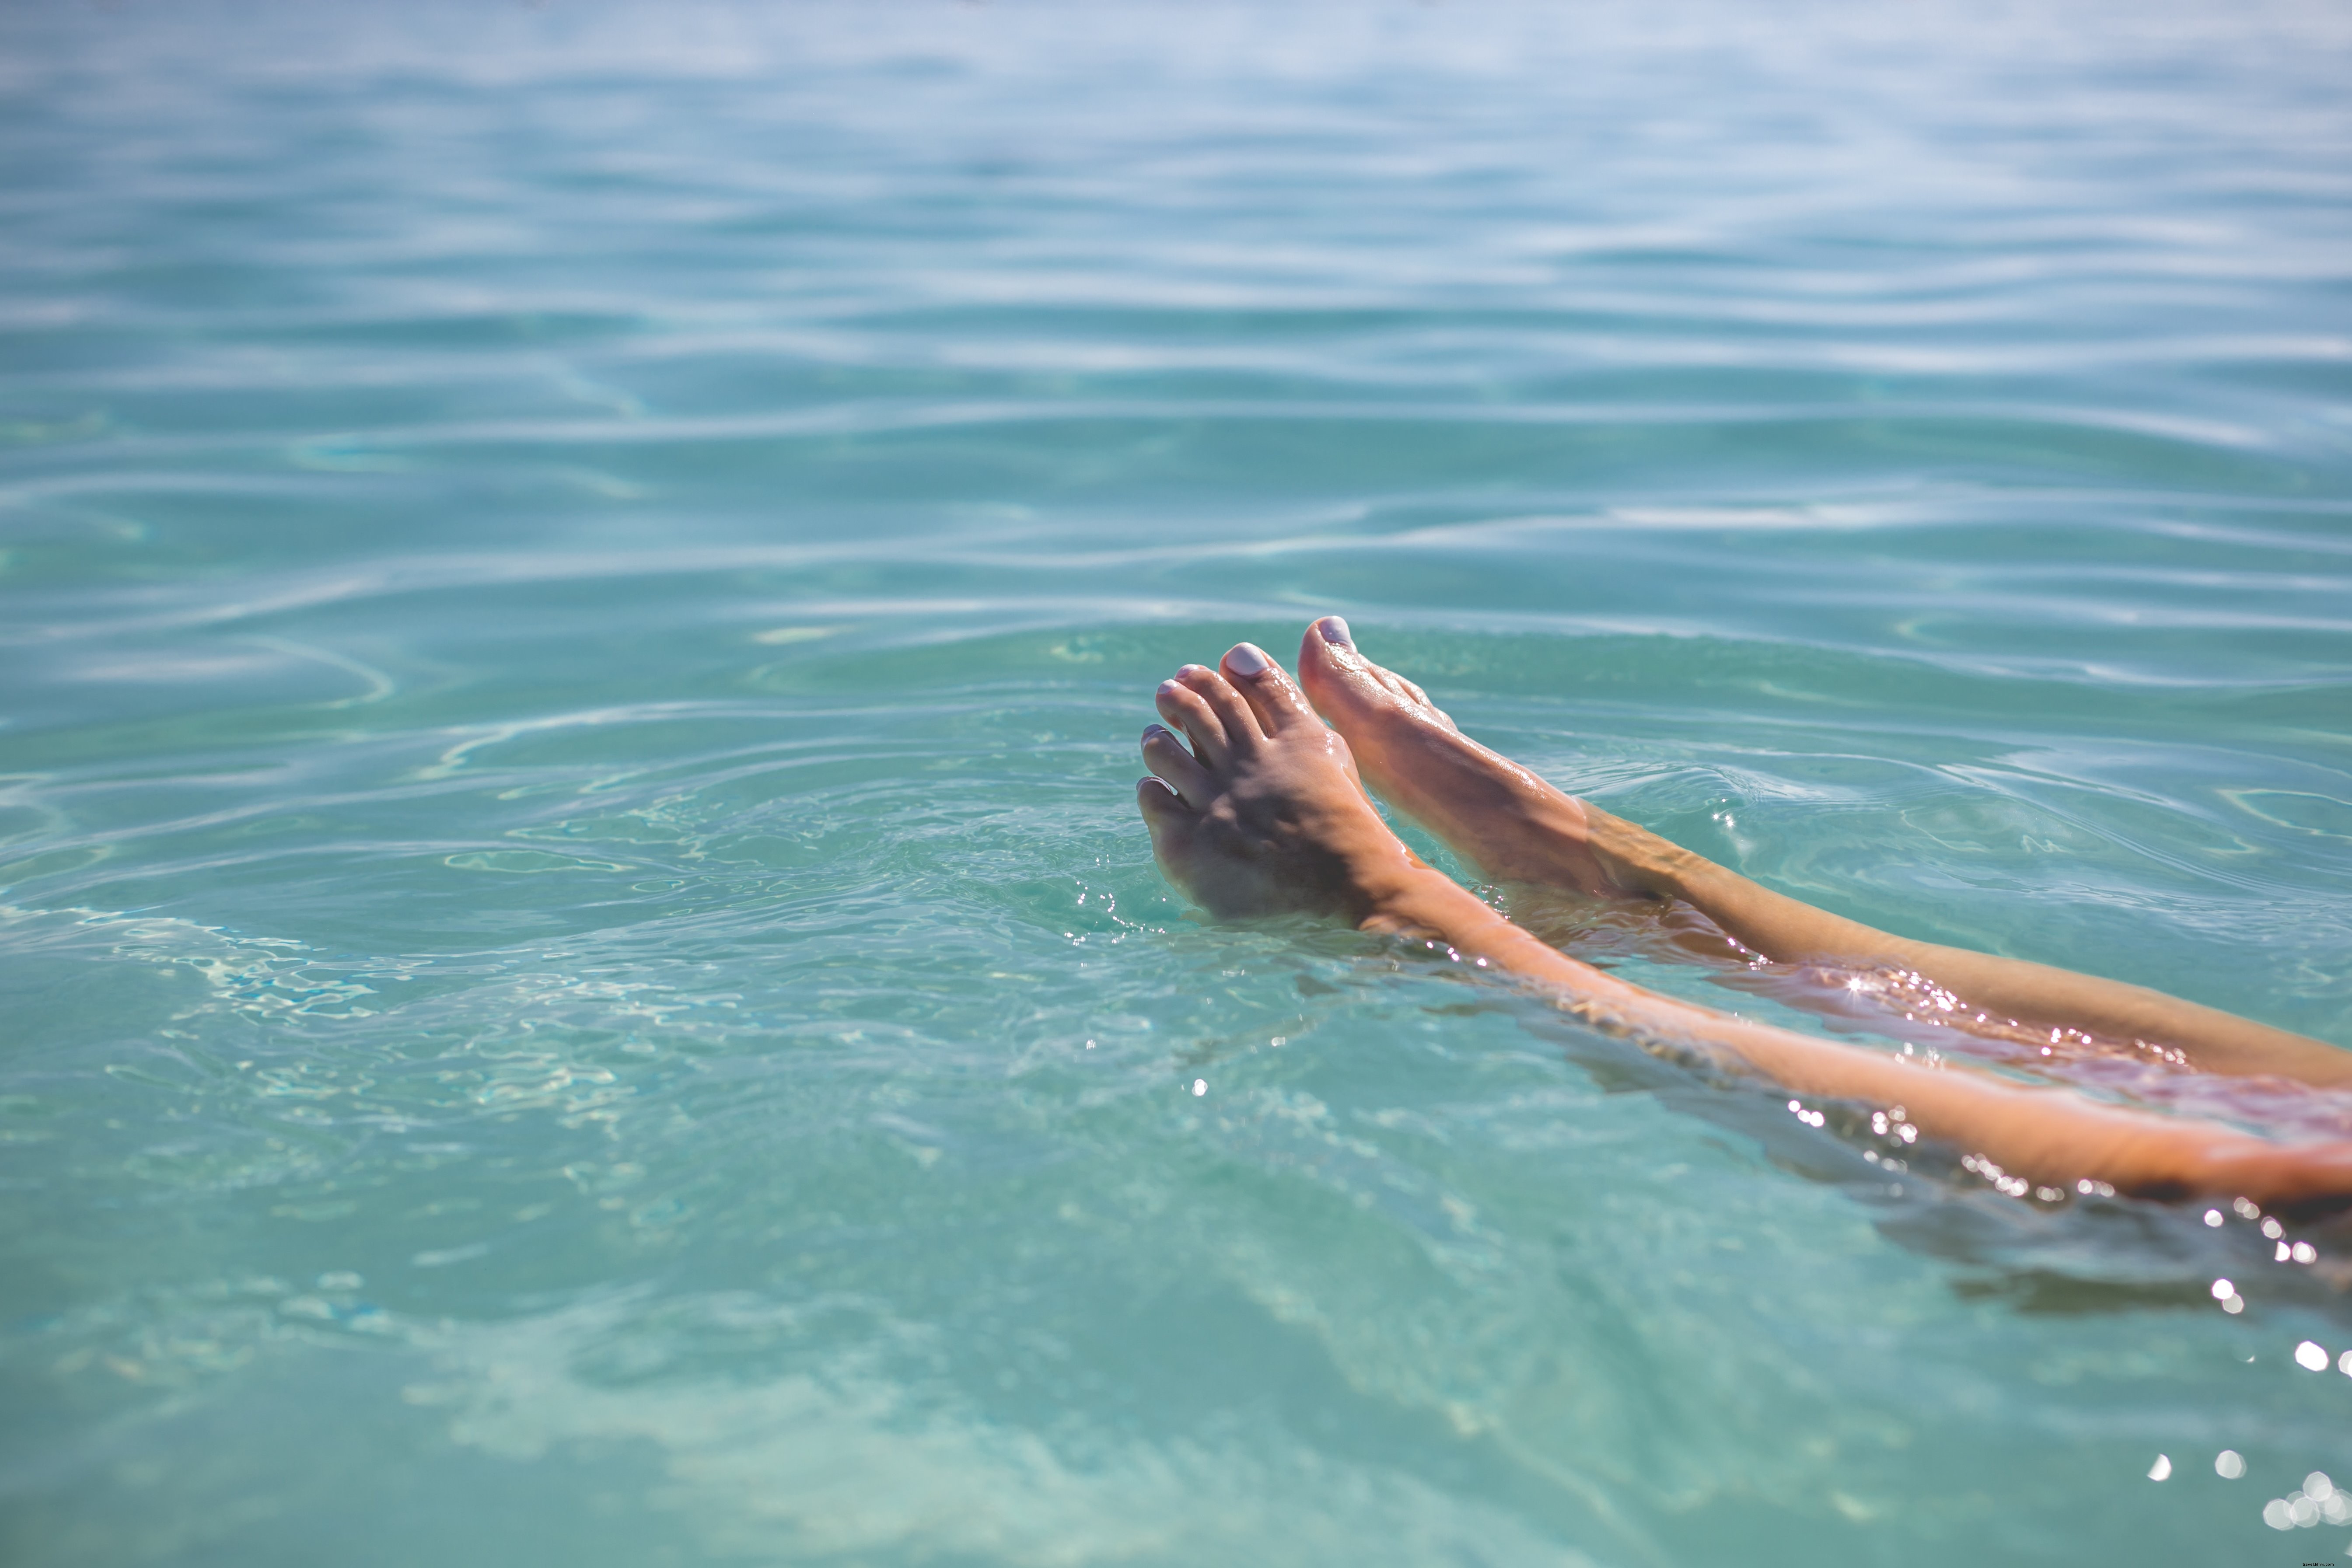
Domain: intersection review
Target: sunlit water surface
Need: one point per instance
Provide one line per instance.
(581, 983)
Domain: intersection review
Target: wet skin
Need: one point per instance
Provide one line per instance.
(1260, 808)
(1516, 828)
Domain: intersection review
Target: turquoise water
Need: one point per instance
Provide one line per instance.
(581, 983)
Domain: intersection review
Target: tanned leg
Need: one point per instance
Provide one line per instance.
(1515, 827)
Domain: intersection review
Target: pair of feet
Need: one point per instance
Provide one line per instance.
(1261, 808)
(1266, 810)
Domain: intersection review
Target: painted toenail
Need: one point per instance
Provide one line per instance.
(1248, 658)
(1152, 731)
(1335, 632)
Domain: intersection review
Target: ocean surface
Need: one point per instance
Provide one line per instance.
(578, 588)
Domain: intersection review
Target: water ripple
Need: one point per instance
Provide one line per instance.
(576, 591)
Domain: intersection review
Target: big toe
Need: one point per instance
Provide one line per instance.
(1348, 689)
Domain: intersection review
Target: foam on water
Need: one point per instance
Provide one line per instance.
(580, 586)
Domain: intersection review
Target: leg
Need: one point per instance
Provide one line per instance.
(1515, 827)
(1264, 814)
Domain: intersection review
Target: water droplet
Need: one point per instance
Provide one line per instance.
(2229, 1464)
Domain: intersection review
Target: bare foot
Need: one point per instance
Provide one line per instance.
(1503, 819)
(1265, 813)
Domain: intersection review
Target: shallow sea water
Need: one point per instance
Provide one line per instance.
(582, 982)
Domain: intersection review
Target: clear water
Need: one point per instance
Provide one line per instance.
(581, 984)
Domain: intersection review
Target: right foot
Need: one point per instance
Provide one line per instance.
(1507, 823)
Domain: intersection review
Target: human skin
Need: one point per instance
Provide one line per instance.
(1265, 812)
(1515, 827)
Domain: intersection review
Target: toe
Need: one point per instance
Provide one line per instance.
(1436, 714)
(1176, 767)
(1233, 716)
(1277, 703)
(1162, 808)
(1167, 819)
(1190, 712)
(1348, 689)
(1342, 682)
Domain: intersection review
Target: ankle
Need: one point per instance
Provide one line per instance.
(1423, 902)
(1638, 860)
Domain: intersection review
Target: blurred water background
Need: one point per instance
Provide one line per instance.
(581, 984)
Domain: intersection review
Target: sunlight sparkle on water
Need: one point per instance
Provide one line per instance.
(579, 585)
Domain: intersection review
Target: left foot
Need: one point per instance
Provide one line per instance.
(1264, 814)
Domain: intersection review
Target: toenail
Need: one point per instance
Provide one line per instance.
(1151, 730)
(1335, 632)
(1248, 658)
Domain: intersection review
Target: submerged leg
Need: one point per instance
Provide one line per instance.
(1515, 827)
(1262, 813)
